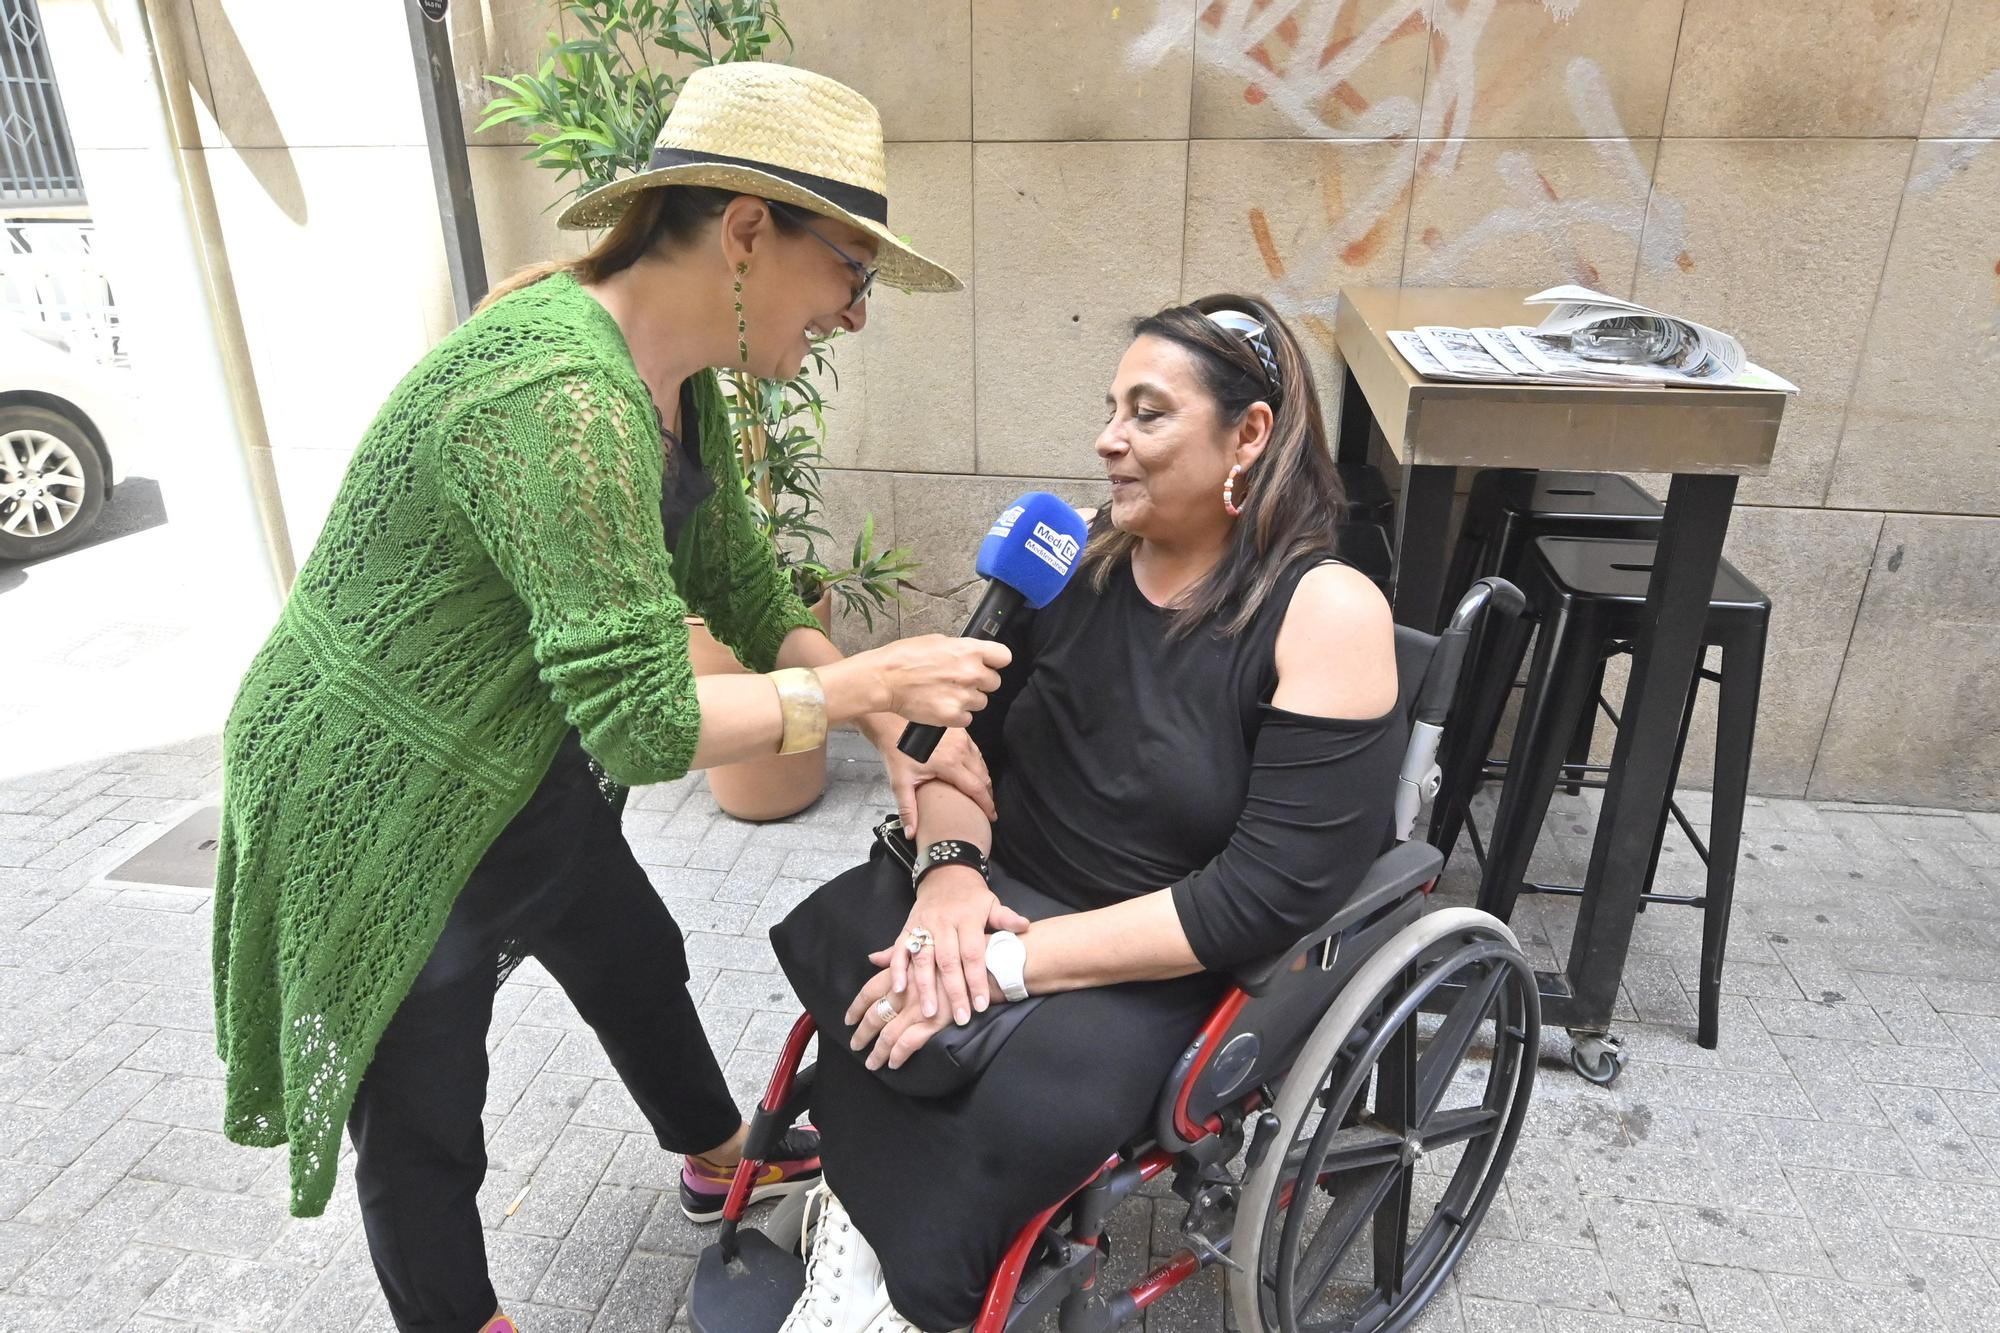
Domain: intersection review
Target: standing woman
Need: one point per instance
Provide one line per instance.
(498, 599)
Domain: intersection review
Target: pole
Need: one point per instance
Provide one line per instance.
(156, 217)
(444, 130)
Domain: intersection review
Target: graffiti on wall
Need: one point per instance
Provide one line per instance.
(1304, 60)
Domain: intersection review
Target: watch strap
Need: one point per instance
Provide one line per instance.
(1006, 963)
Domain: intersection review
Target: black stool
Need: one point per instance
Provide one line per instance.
(1590, 594)
(1366, 547)
(1367, 496)
(1506, 511)
(1509, 507)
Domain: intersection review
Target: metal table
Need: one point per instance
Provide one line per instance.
(1705, 438)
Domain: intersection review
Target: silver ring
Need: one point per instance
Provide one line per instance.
(918, 941)
(885, 1011)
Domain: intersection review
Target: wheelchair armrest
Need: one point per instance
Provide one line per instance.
(1397, 872)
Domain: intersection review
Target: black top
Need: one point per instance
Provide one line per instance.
(685, 483)
(1125, 762)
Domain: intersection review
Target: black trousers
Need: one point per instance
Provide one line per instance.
(559, 885)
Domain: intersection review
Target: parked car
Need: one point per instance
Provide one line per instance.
(64, 422)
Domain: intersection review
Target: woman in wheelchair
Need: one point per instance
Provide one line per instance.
(1194, 753)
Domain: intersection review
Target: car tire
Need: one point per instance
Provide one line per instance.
(34, 521)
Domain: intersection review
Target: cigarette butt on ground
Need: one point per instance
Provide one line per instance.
(513, 1207)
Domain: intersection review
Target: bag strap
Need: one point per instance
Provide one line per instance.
(889, 833)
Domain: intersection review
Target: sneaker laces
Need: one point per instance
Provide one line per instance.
(824, 1247)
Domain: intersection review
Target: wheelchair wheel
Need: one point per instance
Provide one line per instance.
(1385, 1146)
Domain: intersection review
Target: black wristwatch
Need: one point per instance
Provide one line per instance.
(947, 852)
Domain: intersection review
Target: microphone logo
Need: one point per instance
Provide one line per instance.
(1055, 549)
(1005, 523)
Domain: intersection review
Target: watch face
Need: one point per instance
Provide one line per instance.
(1007, 959)
(1007, 950)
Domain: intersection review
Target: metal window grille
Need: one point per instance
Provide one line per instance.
(37, 160)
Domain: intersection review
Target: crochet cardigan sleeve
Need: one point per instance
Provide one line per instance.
(559, 480)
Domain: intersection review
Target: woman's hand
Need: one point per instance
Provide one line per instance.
(932, 679)
(949, 978)
(894, 1038)
(956, 761)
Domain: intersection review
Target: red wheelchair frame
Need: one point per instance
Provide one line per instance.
(1346, 997)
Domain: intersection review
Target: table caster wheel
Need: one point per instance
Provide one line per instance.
(1598, 1060)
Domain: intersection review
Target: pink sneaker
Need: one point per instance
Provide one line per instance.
(793, 1167)
(499, 1323)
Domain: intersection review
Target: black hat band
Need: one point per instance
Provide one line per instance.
(856, 200)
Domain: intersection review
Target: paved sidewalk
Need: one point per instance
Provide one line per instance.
(1835, 1166)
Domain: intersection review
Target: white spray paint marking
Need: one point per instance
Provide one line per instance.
(1529, 211)
(1299, 89)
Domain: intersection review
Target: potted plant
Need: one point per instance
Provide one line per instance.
(592, 112)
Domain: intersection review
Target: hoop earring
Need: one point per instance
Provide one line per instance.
(1229, 505)
(742, 329)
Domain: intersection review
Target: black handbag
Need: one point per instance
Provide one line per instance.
(824, 944)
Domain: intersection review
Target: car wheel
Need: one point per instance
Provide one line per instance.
(52, 483)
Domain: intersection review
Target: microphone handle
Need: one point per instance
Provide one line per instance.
(921, 738)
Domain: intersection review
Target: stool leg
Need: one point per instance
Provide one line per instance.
(1735, 728)
(1556, 682)
(1666, 811)
(1468, 560)
(1485, 685)
(1586, 728)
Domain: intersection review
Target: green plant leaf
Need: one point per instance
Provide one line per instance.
(581, 134)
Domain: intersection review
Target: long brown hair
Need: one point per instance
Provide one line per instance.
(1290, 498)
(663, 218)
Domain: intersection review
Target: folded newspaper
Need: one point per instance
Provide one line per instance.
(1682, 352)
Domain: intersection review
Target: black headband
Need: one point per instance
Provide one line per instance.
(862, 203)
(1257, 337)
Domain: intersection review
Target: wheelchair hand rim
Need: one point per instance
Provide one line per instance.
(1362, 996)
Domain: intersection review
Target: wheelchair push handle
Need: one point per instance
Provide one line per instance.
(1494, 595)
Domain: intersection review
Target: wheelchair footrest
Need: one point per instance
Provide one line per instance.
(752, 1295)
(1061, 1267)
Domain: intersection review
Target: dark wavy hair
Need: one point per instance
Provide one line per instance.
(661, 219)
(1290, 497)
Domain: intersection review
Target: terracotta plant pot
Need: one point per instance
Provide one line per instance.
(760, 790)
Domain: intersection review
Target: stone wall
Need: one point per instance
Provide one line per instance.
(1816, 175)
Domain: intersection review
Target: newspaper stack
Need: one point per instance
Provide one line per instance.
(1690, 354)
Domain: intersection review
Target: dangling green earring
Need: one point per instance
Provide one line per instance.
(742, 335)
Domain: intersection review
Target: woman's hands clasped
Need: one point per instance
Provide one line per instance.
(914, 997)
(895, 1030)
(956, 908)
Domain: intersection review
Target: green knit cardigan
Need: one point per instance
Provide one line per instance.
(493, 572)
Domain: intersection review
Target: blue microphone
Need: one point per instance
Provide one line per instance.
(1027, 557)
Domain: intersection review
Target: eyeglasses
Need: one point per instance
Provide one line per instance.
(864, 276)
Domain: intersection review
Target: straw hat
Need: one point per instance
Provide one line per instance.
(778, 133)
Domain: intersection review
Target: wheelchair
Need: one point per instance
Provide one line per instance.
(1338, 1128)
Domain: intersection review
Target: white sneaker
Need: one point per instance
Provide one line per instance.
(844, 1291)
(891, 1322)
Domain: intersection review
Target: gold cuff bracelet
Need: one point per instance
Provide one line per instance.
(802, 700)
